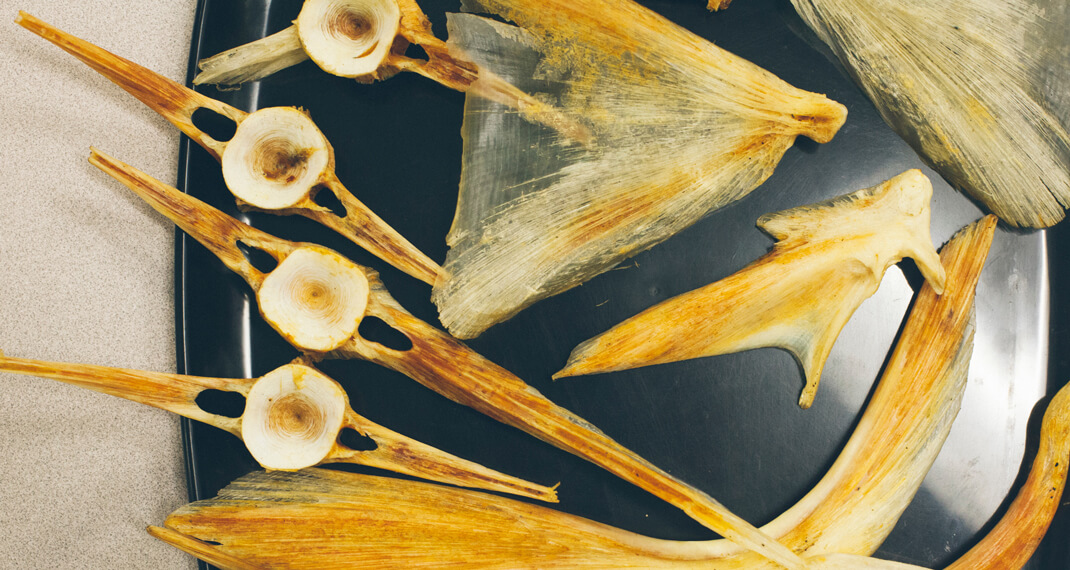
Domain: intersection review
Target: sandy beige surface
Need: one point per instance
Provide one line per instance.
(86, 276)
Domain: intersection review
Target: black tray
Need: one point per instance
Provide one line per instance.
(728, 425)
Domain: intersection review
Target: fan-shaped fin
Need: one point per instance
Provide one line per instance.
(679, 129)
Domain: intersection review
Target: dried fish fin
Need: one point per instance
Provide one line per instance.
(829, 258)
(537, 216)
(252, 61)
(974, 87)
(345, 520)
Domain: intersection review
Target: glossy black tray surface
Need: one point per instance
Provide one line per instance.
(729, 424)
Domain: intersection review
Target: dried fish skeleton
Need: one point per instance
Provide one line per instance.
(681, 126)
(366, 40)
(370, 521)
(316, 299)
(293, 418)
(829, 258)
(980, 89)
(277, 161)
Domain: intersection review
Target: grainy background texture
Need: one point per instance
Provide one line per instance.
(86, 275)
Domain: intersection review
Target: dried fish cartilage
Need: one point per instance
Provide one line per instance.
(276, 162)
(977, 88)
(348, 38)
(253, 61)
(848, 513)
(292, 419)
(318, 297)
(440, 362)
(829, 258)
(682, 128)
(366, 40)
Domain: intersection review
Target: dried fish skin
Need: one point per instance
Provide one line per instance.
(679, 129)
(798, 297)
(978, 89)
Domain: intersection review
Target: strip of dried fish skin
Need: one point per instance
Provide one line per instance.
(831, 256)
(851, 510)
(978, 88)
(680, 128)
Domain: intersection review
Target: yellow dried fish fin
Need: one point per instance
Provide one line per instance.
(324, 520)
(536, 215)
(831, 256)
(978, 88)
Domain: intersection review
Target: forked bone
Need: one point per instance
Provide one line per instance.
(366, 40)
(292, 419)
(831, 256)
(435, 359)
(276, 162)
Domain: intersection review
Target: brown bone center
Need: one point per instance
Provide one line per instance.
(294, 415)
(280, 160)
